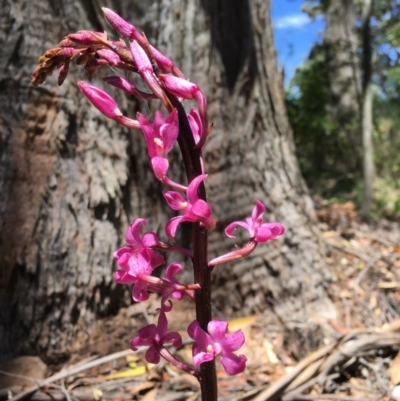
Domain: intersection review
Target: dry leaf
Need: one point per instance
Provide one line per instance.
(147, 385)
(135, 372)
(151, 395)
(271, 356)
(394, 370)
(241, 322)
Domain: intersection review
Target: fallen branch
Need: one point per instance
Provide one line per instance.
(315, 368)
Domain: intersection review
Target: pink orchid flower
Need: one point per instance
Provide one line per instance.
(160, 137)
(137, 243)
(176, 290)
(259, 231)
(138, 272)
(195, 209)
(217, 342)
(156, 337)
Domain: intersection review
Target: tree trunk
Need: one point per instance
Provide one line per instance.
(72, 181)
(342, 45)
(368, 161)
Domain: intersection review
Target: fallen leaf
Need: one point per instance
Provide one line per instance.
(151, 395)
(394, 370)
(241, 322)
(271, 356)
(135, 372)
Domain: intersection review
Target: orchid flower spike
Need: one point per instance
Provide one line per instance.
(259, 231)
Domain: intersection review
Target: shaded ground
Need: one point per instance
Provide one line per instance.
(361, 362)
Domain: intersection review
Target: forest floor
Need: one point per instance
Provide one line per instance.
(360, 362)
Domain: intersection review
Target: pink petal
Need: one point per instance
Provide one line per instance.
(262, 234)
(195, 124)
(233, 364)
(201, 357)
(133, 234)
(201, 209)
(150, 239)
(232, 342)
(169, 131)
(192, 194)
(123, 277)
(199, 335)
(258, 211)
(172, 270)
(268, 231)
(162, 326)
(175, 200)
(152, 355)
(173, 338)
(139, 291)
(160, 167)
(172, 226)
(159, 120)
(231, 227)
(217, 329)
(148, 133)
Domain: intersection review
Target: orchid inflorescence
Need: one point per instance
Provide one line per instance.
(141, 254)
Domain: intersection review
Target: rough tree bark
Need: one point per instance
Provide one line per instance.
(367, 114)
(71, 181)
(342, 42)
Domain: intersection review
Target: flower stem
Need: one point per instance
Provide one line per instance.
(202, 273)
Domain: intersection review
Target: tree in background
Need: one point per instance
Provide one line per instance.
(70, 179)
(341, 76)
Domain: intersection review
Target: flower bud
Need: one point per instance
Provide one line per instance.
(120, 25)
(101, 100)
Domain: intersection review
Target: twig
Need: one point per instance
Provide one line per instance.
(365, 258)
(73, 370)
(276, 389)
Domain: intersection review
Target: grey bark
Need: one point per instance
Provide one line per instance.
(71, 180)
(367, 115)
(342, 42)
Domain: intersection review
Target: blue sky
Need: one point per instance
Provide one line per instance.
(295, 33)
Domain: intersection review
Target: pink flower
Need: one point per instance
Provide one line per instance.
(156, 337)
(175, 288)
(160, 137)
(259, 231)
(217, 342)
(136, 244)
(137, 272)
(195, 209)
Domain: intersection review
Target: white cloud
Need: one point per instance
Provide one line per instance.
(291, 21)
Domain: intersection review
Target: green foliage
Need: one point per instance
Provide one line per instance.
(326, 157)
(326, 143)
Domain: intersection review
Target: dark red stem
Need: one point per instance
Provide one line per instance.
(202, 274)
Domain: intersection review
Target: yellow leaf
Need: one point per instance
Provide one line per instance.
(241, 322)
(139, 371)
